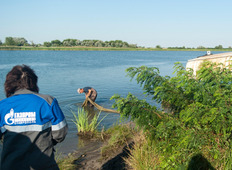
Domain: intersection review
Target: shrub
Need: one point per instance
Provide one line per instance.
(198, 128)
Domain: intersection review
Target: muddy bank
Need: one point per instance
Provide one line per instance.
(105, 151)
(89, 157)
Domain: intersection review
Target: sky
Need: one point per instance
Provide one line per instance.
(147, 23)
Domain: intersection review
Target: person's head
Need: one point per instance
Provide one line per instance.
(20, 77)
(80, 90)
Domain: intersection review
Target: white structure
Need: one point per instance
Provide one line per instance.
(224, 58)
(208, 52)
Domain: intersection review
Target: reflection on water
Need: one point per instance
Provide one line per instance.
(61, 73)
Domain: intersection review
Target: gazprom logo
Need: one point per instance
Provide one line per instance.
(9, 117)
(20, 117)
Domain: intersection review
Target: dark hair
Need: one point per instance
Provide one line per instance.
(20, 77)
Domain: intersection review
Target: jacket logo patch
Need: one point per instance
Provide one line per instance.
(20, 117)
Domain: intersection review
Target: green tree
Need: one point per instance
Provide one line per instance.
(133, 45)
(99, 43)
(125, 44)
(47, 44)
(219, 47)
(158, 46)
(9, 41)
(87, 43)
(16, 41)
(77, 42)
(200, 47)
(20, 41)
(56, 43)
(107, 44)
(118, 43)
(198, 120)
(33, 44)
(69, 42)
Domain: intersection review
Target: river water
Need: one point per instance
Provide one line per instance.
(62, 72)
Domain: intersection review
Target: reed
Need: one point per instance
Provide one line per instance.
(83, 122)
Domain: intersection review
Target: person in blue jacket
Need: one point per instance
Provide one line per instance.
(31, 123)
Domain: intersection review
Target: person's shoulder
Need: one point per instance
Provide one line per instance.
(8, 99)
(49, 99)
(3, 100)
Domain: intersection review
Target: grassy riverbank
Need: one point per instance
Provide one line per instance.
(81, 48)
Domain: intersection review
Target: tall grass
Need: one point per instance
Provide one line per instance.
(68, 163)
(119, 135)
(83, 122)
(143, 155)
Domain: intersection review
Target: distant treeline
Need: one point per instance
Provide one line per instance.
(15, 41)
(199, 47)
